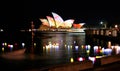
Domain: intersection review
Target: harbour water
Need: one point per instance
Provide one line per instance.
(49, 49)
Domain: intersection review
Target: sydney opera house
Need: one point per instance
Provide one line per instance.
(56, 23)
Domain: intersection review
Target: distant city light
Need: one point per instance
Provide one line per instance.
(71, 60)
(116, 26)
(93, 59)
(1, 30)
(101, 22)
(23, 44)
(81, 59)
(3, 49)
(29, 30)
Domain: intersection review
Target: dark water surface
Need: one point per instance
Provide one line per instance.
(47, 49)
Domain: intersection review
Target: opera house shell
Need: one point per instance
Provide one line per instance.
(56, 23)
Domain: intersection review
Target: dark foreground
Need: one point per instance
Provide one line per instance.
(29, 65)
(18, 61)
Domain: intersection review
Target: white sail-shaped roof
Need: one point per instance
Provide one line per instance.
(51, 21)
(68, 23)
(82, 24)
(44, 22)
(58, 19)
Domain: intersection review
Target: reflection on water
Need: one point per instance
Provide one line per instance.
(72, 47)
(62, 45)
(58, 48)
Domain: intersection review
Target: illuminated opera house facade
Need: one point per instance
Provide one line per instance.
(56, 23)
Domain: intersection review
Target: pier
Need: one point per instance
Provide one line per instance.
(104, 33)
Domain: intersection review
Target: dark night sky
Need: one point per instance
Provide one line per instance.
(90, 12)
(18, 15)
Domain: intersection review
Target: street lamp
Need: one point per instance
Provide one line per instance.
(101, 22)
(116, 26)
(104, 24)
